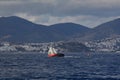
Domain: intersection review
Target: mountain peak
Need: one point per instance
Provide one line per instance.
(9, 17)
(12, 19)
(111, 24)
(67, 23)
(118, 19)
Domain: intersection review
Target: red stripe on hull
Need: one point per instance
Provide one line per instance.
(52, 55)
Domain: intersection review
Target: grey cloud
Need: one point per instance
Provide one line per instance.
(31, 8)
(61, 7)
(54, 11)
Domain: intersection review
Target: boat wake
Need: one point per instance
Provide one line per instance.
(72, 56)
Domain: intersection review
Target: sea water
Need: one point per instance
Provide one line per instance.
(74, 66)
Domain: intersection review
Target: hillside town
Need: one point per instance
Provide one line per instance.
(43, 47)
(104, 45)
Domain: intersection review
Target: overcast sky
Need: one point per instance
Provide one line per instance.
(85, 12)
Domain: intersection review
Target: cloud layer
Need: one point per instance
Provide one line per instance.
(86, 12)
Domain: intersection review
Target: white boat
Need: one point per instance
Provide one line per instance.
(53, 53)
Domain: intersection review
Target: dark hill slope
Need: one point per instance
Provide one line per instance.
(105, 30)
(15, 29)
(108, 29)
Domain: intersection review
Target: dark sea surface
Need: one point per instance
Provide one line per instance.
(74, 66)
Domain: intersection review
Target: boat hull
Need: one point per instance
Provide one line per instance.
(52, 55)
(56, 55)
(60, 55)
